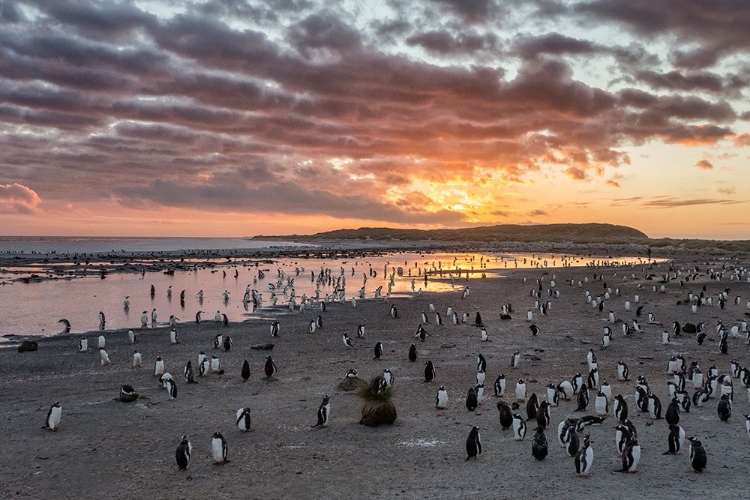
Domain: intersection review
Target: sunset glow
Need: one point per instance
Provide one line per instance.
(214, 118)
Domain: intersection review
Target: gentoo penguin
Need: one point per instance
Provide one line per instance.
(583, 398)
(216, 365)
(607, 390)
(171, 388)
(346, 340)
(183, 453)
(499, 385)
(441, 399)
(324, 412)
(665, 337)
(393, 313)
(83, 344)
(620, 407)
(506, 415)
(591, 359)
(515, 360)
(577, 383)
(542, 415)
(481, 375)
(481, 363)
(697, 455)
(606, 338)
(53, 417)
(420, 333)
(219, 449)
(158, 367)
(601, 403)
(389, 378)
(204, 367)
(429, 371)
(725, 408)
(631, 456)
(519, 427)
(593, 378)
(553, 397)
(361, 330)
(438, 319)
(197, 317)
(245, 371)
(103, 356)
(572, 442)
(227, 343)
(217, 317)
(218, 340)
(424, 317)
(566, 389)
(137, 360)
(532, 406)
(127, 393)
(534, 329)
(379, 350)
(412, 353)
(654, 407)
(275, 329)
(132, 337)
(154, 315)
(747, 425)
(473, 444)
(672, 416)
(471, 399)
(102, 320)
(312, 327)
(676, 439)
(520, 390)
(584, 458)
(66, 325)
(270, 367)
(189, 373)
(539, 447)
(173, 338)
(144, 319)
(484, 336)
(623, 435)
(102, 341)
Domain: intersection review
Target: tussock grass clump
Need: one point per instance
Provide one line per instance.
(377, 402)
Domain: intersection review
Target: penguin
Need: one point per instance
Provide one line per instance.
(480, 378)
(312, 327)
(676, 439)
(506, 415)
(275, 329)
(183, 453)
(346, 340)
(515, 360)
(270, 367)
(227, 343)
(699, 397)
(620, 408)
(393, 313)
(412, 353)
(171, 387)
(66, 325)
(553, 397)
(204, 366)
(601, 404)
(672, 416)
(591, 359)
(519, 427)
(173, 338)
(697, 455)
(532, 406)
(189, 373)
(53, 417)
(566, 389)
(245, 371)
(441, 399)
(577, 383)
(324, 412)
(481, 363)
(137, 360)
(379, 350)
(132, 337)
(542, 415)
(520, 390)
(438, 319)
(471, 399)
(499, 385)
(607, 390)
(484, 336)
(144, 319)
(583, 398)
(725, 408)
(593, 378)
(104, 357)
(654, 407)
(83, 344)
(216, 365)
(473, 444)
(584, 458)
(723, 346)
(361, 330)
(534, 329)
(747, 425)
(102, 341)
(420, 333)
(218, 340)
(572, 443)
(631, 456)
(429, 371)
(219, 449)
(389, 378)
(539, 446)
(154, 315)
(424, 317)
(197, 317)
(623, 435)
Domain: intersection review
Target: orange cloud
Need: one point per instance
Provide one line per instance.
(705, 165)
(19, 199)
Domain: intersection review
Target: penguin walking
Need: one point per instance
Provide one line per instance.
(484, 336)
(429, 371)
(471, 399)
(532, 406)
(346, 340)
(388, 377)
(184, 449)
(698, 458)
(519, 427)
(676, 440)
(481, 363)
(473, 444)
(324, 412)
(132, 337)
(631, 456)
(584, 458)
(219, 449)
(245, 371)
(53, 417)
(275, 329)
(441, 398)
(379, 350)
(218, 340)
(539, 446)
(542, 415)
(204, 367)
(189, 373)
(270, 367)
(393, 313)
(104, 357)
(534, 329)
(654, 407)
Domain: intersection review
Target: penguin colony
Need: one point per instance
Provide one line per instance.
(581, 403)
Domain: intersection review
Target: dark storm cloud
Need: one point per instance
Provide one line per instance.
(444, 42)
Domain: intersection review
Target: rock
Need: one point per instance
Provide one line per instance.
(262, 347)
(28, 345)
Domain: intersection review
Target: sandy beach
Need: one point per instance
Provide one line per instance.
(105, 447)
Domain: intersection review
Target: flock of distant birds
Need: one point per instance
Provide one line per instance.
(705, 387)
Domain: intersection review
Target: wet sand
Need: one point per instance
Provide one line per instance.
(105, 447)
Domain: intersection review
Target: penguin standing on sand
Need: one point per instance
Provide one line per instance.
(471, 399)
(219, 449)
(324, 412)
(698, 458)
(183, 453)
(441, 399)
(539, 446)
(532, 406)
(521, 390)
(137, 360)
(243, 419)
(173, 338)
(245, 371)
(53, 417)
(393, 313)
(631, 456)
(601, 404)
(506, 415)
(725, 408)
(584, 458)
(515, 360)
(83, 344)
(519, 427)
(672, 416)
(473, 444)
(429, 371)
(499, 385)
(270, 367)
(620, 407)
(379, 350)
(542, 415)
(361, 330)
(676, 439)
(481, 363)
(171, 387)
(275, 329)
(583, 398)
(104, 357)
(227, 343)
(189, 373)
(622, 371)
(413, 353)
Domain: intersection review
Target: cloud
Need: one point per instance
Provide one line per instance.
(18, 199)
(613, 183)
(537, 213)
(576, 173)
(672, 202)
(742, 140)
(727, 190)
(704, 165)
(445, 43)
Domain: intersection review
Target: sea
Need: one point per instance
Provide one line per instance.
(34, 309)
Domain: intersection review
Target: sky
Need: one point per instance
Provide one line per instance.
(242, 118)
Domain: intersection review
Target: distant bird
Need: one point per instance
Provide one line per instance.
(245, 373)
(534, 329)
(66, 325)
